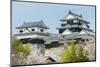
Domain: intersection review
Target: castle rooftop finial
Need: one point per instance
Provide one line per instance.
(41, 20)
(70, 12)
(81, 15)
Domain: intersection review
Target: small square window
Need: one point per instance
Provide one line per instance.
(33, 29)
(21, 31)
(42, 30)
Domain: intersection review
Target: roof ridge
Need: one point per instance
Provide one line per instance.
(70, 12)
(76, 14)
(33, 22)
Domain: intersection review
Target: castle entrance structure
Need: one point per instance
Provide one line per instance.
(34, 33)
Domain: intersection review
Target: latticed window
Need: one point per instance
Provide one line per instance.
(75, 29)
(70, 21)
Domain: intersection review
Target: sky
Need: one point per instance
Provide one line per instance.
(49, 13)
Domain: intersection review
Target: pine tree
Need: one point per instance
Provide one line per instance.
(20, 51)
(73, 53)
(18, 47)
(81, 56)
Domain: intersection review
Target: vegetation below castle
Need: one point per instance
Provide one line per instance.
(74, 53)
(21, 53)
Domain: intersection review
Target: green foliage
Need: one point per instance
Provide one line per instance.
(19, 48)
(81, 56)
(24, 49)
(69, 54)
(73, 53)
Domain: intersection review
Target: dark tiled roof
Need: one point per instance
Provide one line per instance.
(76, 16)
(39, 24)
(78, 27)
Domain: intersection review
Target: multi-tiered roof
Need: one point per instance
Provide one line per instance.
(74, 25)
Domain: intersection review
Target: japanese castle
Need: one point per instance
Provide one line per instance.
(73, 27)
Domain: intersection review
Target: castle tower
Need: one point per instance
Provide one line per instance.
(35, 33)
(73, 26)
